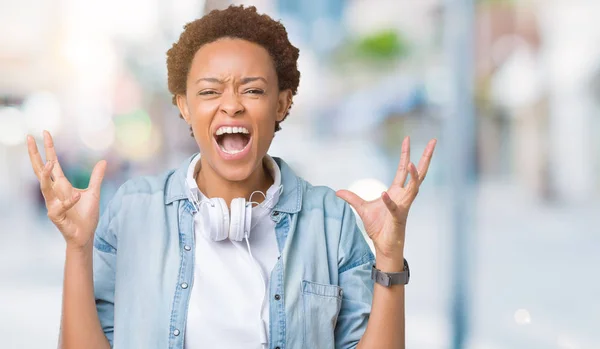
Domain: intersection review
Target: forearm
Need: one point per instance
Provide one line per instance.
(386, 322)
(80, 326)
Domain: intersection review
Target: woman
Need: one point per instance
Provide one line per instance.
(231, 249)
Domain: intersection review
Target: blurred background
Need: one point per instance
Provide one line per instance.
(504, 238)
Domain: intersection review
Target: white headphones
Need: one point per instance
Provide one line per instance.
(217, 223)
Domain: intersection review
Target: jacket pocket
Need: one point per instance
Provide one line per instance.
(321, 304)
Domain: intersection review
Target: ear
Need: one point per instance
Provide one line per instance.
(183, 108)
(284, 103)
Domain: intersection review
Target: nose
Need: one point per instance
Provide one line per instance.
(231, 105)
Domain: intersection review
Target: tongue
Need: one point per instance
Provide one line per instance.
(234, 141)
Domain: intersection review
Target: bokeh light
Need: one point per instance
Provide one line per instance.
(368, 188)
(42, 111)
(98, 139)
(136, 138)
(522, 317)
(12, 126)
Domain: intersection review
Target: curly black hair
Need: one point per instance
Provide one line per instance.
(234, 22)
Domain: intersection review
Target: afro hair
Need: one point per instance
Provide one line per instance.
(234, 22)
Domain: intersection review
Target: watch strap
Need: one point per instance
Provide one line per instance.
(389, 279)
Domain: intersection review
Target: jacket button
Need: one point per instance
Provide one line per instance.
(176, 332)
(184, 285)
(187, 247)
(277, 297)
(277, 348)
(275, 214)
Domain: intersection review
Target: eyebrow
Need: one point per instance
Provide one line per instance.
(244, 81)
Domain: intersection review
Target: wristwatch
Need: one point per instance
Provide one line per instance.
(389, 279)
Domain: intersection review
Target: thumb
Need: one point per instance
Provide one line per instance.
(354, 200)
(97, 176)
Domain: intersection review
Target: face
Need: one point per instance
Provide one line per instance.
(232, 103)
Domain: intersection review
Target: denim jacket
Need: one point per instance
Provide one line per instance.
(320, 290)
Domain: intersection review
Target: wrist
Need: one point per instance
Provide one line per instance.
(390, 265)
(74, 249)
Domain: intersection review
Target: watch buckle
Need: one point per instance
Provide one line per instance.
(387, 280)
(381, 278)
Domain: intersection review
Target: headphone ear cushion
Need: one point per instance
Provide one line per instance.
(248, 219)
(219, 216)
(237, 226)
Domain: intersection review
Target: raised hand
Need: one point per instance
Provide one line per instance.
(75, 212)
(385, 218)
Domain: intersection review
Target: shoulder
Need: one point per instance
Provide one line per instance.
(144, 185)
(323, 198)
(321, 194)
(135, 201)
(141, 188)
(300, 194)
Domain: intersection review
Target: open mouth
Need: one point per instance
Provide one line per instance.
(232, 140)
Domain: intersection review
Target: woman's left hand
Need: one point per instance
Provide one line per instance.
(385, 218)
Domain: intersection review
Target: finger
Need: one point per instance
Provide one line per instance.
(423, 166)
(58, 212)
(34, 157)
(97, 176)
(413, 183)
(57, 172)
(46, 182)
(354, 200)
(390, 204)
(402, 171)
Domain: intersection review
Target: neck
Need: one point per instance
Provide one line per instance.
(213, 185)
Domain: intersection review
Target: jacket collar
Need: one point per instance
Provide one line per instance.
(290, 200)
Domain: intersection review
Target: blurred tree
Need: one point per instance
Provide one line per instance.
(386, 45)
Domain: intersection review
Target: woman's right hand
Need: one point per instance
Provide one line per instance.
(75, 212)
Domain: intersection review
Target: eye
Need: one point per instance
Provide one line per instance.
(255, 91)
(207, 93)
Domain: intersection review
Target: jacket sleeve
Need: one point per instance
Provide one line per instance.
(354, 269)
(104, 265)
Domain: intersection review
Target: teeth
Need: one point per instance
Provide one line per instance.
(229, 129)
(232, 152)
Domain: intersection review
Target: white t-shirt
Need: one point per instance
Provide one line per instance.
(227, 292)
